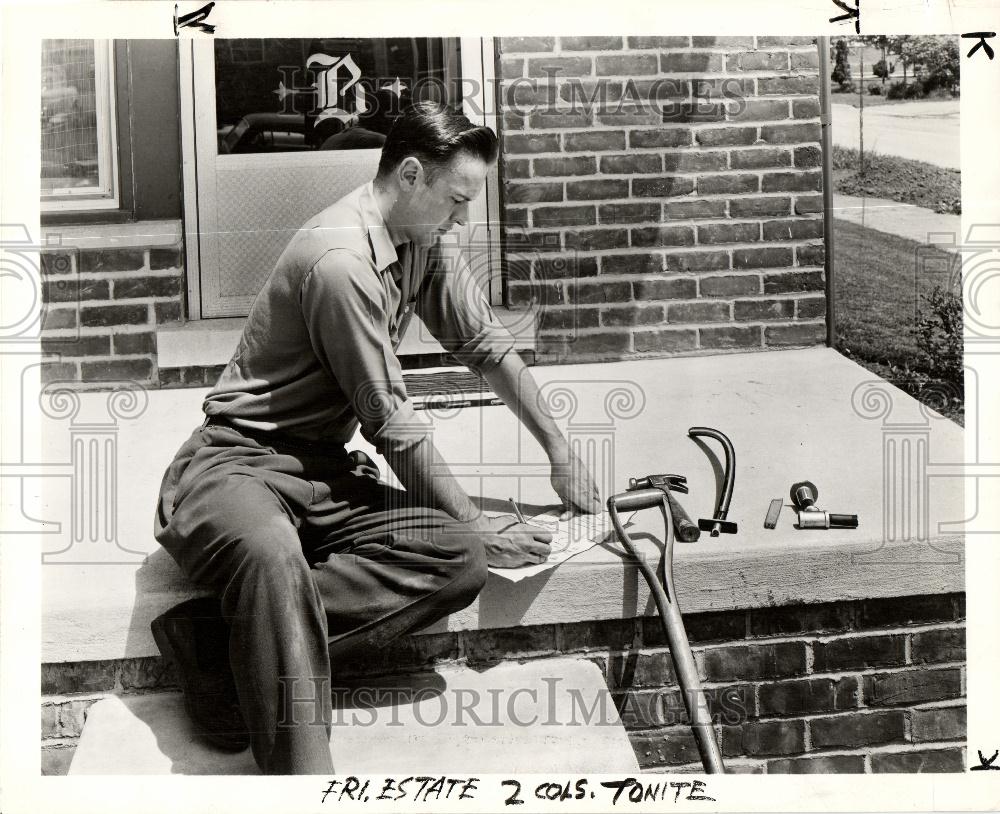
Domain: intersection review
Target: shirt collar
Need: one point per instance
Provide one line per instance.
(378, 233)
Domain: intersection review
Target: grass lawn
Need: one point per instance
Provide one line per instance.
(878, 283)
(898, 179)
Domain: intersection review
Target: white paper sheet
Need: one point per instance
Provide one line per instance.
(569, 538)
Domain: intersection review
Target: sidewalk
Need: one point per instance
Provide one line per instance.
(924, 226)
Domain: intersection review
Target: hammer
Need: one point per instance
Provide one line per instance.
(686, 531)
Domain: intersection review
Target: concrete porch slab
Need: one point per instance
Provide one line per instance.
(792, 415)
(511, 718)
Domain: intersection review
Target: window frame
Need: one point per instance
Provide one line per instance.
(108, 194)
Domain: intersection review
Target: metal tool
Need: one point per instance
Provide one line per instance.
(665, 596)
(771, 519)
(684, 528)
(718, 524)
(804, 495)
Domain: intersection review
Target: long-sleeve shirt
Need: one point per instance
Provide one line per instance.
(317, 352)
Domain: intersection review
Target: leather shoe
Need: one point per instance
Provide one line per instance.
(194, 636)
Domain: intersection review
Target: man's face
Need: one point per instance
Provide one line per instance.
(436, 206)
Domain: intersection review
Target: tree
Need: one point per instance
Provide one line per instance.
(841, 73)
(935, 60)
(882, 70)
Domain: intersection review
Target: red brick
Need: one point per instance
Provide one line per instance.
(513, 120)
(804, 61)
(729, 233)
(825, 764)
(805, 333)
(577, 165)
(640, 710)
(515, 168)
(659, 42)
(590, 43)
(632, 315)
(664, 187)
(760, 207)
(629, 116)
(58, 372)
(71, 289)
(135, 343)
(56, 262)
(787, 85)
(565, 318)
(690, 210)
(858, 730)
(105, 315)
(722, 88)
(116, 370)
(696, 261)
(855, 652)
(511, 68)
(147, 287)
(670, 341)
(907, 610)
(808, 696)
(524, 293)
(796, 229)
(531, 143)
(631, 263)
(754, 661)
(165, 258)
(606, 343)
(808, 156)
(819, 617)
(913, 761)
(595, 140)
(756, 310)
(77, 345)
(931, 646)
(784, 282)
(409, 653)
(168, 312)
(700, 627)
(723, 42)
(665, 137)
(726, 136)
(110, 260)
(551, 268)
(730, 285)
(629, 213)
(513, 45)
(64, 678)
(558, 118)
(599, 292)
(912, 686)
(768, 42)
(492, 644)
(730, 337)
(533, 193)
(700, 110)
(554, 216)
(516, 217)
(769, 257)
(627, 65)
(597, 239)
(805, 108)
(552, 66)
(695, 161)
(938, 724)
(764, 738)
(690, 62)
(591, 94)
(808, 204)
(632, 163)
(54, 319)
(810, 307)
(792, 182)
(668, 748)
(727, 184)
(597, 189)
(663, 236)
(671, 288)
(755, 110)
(698, 312)
(789, 133)
(757, 61)
(758, 159)
(810, 255)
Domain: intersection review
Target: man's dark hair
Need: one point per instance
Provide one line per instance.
(435, 135)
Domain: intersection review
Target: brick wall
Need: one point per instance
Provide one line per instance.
(862, 686)
(100, 312)
(669, 191)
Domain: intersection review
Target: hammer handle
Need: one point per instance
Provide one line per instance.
(686, 531)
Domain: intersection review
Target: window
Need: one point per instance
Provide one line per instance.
(78, 133)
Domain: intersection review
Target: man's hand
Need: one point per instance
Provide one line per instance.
(510, 544)
(573, 483)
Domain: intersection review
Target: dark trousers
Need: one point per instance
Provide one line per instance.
(313, 559)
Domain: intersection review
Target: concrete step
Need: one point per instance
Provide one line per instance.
(554, 715)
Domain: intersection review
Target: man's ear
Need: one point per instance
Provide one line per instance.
(410, 171)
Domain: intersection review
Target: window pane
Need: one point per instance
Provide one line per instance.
(69, 116)
(285, 95)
